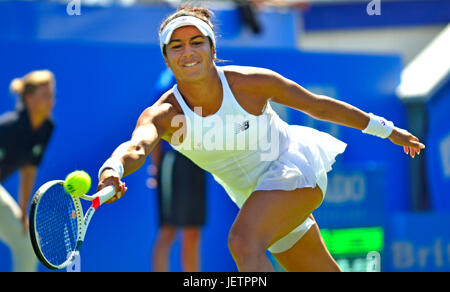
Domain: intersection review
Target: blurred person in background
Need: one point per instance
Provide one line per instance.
(300, 5)
(181, 188)
(280, 3)
(24, 135)
(181, 203)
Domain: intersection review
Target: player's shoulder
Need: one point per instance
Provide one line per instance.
(10, 122)
(247, 77)
(9, 118)
(164, 108)
(248, 71)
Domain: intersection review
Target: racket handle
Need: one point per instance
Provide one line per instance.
(105, 194)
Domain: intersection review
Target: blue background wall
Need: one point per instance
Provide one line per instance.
(438, 166)
(106, 63)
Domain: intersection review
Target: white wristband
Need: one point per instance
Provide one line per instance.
(114, 164)
(379, 126)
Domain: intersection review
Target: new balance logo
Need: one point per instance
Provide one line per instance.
(242, 127)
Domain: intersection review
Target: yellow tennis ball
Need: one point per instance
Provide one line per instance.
(77, 183)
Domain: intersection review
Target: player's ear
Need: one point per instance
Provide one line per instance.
(165, 56)
(166, 61)
(214, 55)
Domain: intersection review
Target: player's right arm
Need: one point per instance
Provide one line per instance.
(152, 125)
(145, 137)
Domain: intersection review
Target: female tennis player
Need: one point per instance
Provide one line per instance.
(212, 109)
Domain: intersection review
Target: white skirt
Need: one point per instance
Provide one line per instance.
(308, 157)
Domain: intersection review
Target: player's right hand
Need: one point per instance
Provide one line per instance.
(110, 178)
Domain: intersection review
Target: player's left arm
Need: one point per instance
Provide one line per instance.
(289, 93)
(27, 177)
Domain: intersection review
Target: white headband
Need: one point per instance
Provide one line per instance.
(203, 27)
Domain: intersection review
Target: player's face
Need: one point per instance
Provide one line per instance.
(42, 99)
(189, 54)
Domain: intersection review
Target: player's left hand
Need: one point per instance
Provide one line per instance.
(411, 144)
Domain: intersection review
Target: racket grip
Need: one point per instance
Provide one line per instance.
(105, 194)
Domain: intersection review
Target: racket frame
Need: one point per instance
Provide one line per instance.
(82, 220)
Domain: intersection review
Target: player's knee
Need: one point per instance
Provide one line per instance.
(167, 235)
(241, 244)
(191, 235)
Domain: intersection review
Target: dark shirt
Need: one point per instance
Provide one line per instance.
(20, 145)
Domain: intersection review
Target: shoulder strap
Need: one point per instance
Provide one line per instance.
(180, 99)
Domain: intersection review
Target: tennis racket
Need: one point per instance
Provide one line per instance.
(57, 225)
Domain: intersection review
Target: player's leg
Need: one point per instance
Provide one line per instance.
(167, 213)
(308, 254)
(190, 193)
(12, 232)
(266, 217)
(161, 250)
(190, 249)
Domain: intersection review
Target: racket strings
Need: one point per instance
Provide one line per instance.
(56, 225)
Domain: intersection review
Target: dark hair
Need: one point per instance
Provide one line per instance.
(188, 10)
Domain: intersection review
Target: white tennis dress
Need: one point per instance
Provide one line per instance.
(246, 153)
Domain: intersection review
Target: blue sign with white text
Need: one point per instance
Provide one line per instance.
(355, 198)
(418, 243)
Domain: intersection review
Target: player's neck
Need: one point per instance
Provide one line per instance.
(206, 93)
(36, 119)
